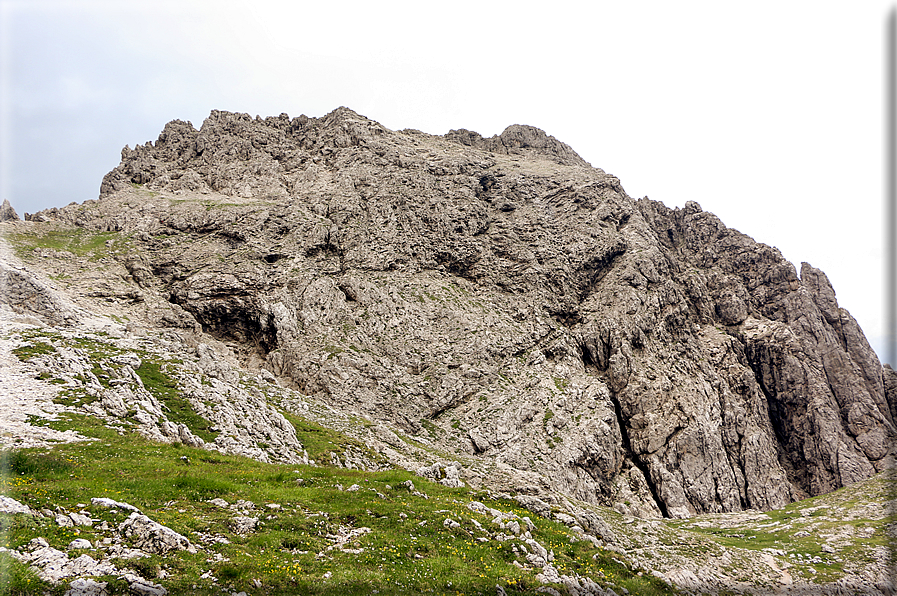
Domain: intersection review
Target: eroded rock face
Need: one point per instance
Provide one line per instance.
(501, 299)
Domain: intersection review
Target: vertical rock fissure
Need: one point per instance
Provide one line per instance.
(627, 448)
(779, 431)
(737, 461)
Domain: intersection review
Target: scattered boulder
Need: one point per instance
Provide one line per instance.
(152, 536)
(10, 505)
(243, 524)
(112, 504)
(143, 587)
(79, 519)
(79, 543)
(534, 504)
(87, 587)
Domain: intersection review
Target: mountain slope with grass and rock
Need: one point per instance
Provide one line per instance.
(492, 314)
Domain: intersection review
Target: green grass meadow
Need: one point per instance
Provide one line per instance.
(409, 550)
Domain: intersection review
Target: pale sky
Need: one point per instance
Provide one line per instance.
(768, 114)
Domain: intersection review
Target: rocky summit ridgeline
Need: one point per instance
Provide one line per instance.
(499, 301)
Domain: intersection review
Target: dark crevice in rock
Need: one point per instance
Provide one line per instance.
(325, 250)
(627, 450)
(229, 319)
(624, 219)
(794, 470)
(586, 357)
(566, 318)
(597, 268)
(459, 267)
(449, 403)
(348, 291)
(234, 238)
(596, 351)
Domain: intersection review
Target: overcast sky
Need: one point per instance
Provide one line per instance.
(768, 114)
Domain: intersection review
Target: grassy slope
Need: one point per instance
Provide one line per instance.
(173, 484)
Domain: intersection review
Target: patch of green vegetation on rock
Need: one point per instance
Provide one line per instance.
(77, 241)
(36, 348)
(96, 349)
(165, 388)
(320, 441)
(431, 428)
(333, 351)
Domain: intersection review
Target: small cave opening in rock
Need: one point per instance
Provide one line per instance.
(567, 318)
(232, 320)
(348, 292)
(485, 186)
(594, 354)
(587, 358)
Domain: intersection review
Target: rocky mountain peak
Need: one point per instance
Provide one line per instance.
(503, 301)
(520, 139)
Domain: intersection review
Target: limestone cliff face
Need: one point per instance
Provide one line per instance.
(506, 302)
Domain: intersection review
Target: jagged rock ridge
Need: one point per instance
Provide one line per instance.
(505, 301)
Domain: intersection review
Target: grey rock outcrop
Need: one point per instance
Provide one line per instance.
(53, 565)
(87, 587)
(243, 524)
(520, 139)
(503, 300)
(243, 419)
(7, 213)
(23, 293)
(448, 475)
(10, 505)
(142, 586)
(152, 536)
